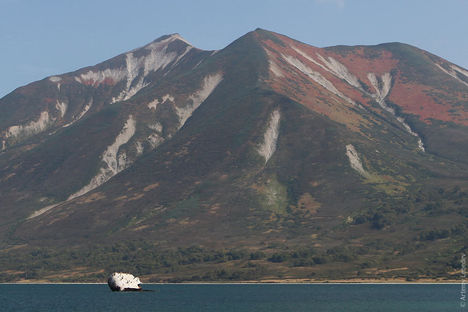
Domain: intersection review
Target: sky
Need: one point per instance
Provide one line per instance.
(40, 38)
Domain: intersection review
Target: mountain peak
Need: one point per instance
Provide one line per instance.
(167, 39)
(177, 36)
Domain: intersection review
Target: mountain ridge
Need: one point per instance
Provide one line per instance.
(268, 145)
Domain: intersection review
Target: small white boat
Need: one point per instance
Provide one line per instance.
(119, 281)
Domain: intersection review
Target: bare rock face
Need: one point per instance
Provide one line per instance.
(124, 282)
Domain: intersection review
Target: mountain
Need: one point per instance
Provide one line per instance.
(269, 158)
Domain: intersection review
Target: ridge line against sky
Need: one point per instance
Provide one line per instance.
(43, 38)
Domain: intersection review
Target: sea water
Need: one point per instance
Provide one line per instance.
(233, 297)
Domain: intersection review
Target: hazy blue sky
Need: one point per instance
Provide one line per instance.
(45, 37)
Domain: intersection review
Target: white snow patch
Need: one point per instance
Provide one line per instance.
(61, 107)
(31, 128)
(55, 79)
(114, 162)
(209, 84)
(382, 89)
(3, 145)
(270, 137)
(453, 72)
(121, 281)
(355, 161)
(317, 77)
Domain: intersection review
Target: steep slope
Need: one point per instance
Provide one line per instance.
(268, 145)
(90, 126)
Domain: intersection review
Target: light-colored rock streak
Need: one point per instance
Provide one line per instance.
(333, 66)
(154, 104)
(136, 68)
(274, 68)
(41, 211)
(167, 97)
(95, 78)
(195, 100)
(309, 58)
(317, 77)
(155, 140)
(460, 70)
(85, 110)
(139, 148)
(187, 50)
(355, 161)
(156, 127)
(113, 161)
(61, 107)
(270, 137)
(81, 114)
(31, 128)
(453, 72)
(382, 89)
(340, 71)
(132, 66)
(158, 58)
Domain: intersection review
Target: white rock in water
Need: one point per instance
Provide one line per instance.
(123, 282)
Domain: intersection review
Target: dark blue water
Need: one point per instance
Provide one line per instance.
(245, 298)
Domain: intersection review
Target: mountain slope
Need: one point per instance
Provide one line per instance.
(268, 145)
